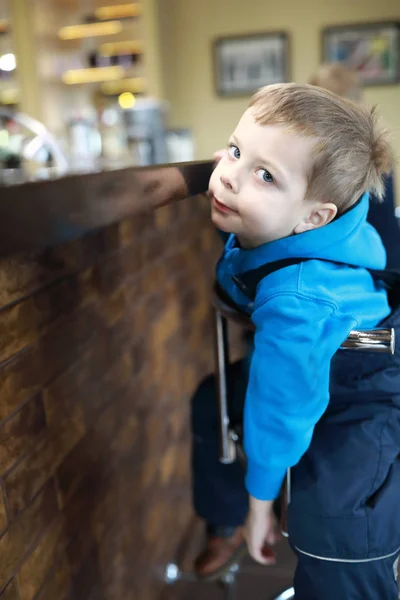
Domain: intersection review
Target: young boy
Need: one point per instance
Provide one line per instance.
(293, 192)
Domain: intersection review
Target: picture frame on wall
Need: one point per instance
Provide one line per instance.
(244, 63)
(373, 49)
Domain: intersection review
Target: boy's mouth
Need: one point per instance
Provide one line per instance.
(220, 206)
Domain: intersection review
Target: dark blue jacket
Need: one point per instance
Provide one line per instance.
(381, 216)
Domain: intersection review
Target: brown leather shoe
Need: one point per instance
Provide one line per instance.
(220, 554)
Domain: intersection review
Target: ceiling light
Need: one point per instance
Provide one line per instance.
(8, 62)
(93, 75)
(120, 11)
(75, 32)
(126, 100)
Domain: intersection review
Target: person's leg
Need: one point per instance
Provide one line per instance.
(326, 580)
(219, 495)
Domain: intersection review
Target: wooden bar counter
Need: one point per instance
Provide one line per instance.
(105, 333)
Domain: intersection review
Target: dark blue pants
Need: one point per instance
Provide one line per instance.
(219, 494)
(221, 499)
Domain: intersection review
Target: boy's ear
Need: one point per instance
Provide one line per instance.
(321, 214)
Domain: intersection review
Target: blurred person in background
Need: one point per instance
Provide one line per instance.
(343, 81)
(219, 493)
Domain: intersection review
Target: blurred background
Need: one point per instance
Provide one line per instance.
(119, 83)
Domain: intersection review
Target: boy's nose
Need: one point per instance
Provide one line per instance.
(229, 182)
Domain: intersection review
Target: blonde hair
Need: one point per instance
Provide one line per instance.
(352, 151)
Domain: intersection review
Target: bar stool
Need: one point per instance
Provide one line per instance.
(230, 444)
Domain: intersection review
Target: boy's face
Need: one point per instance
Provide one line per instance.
(258, 189)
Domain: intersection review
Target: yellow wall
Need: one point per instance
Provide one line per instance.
(153, 53)
(25, 49)
(189, 26)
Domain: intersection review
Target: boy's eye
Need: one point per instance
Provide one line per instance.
(264, 175)
(234, 151)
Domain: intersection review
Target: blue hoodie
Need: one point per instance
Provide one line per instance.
(302, 314)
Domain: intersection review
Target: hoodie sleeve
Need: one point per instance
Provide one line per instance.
(288, 388)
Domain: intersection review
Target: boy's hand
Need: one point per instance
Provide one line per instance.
(261, 530)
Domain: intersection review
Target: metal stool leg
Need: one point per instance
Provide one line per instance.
(229, 581)
(227, 449)
(173, 574)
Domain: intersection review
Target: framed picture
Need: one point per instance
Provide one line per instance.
(373, 49)
(242, 64)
